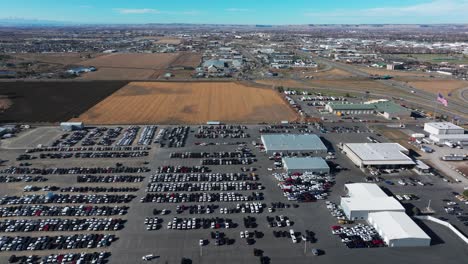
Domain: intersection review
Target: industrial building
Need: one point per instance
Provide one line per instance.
(315, 165)
(443, 128)
(365, 198)
(385, 108)
(461, 139)
(71, 126)
(293, 143)
(366, 201)
(378, 155)
(398, 230)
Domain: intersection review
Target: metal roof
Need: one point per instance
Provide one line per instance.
(443, 125)
(372, 204)
(397, 225)
(305, 163)
(364, 190)
(293, 142)
(380, 153)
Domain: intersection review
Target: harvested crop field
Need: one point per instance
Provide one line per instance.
(189, 103)
(189, 59)
(171, 41)
(52, 101)
(56, 58)
(121, 74)
(152, 61)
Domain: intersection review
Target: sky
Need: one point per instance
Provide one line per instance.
(271, 12)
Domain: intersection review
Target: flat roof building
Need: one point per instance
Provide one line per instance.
(398, 230)
(293, 143)
(378, 155)
(70, 126)
(385, 108)
(452, 138)
(366, 201)
(443, 128)
(315, 165)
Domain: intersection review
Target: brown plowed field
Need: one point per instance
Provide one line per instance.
(188, 59)
(50, 101)
(120, 74)
(189, 103)
(152, 61)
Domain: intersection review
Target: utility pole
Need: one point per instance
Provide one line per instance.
(305, 247)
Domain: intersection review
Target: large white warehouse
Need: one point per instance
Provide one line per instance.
(442, 128)
(367, 201)
(293, 143)
(365, 198)
(378, 155)
(398, 230)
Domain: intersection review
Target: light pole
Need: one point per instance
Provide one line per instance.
(305, 246)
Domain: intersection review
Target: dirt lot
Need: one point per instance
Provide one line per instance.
(189, 103)
(435, 85)
(57, 58)
(52, 101)
(188, 59)
(121, 74)
(152, 61)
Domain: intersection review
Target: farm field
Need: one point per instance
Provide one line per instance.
(171, 41)
(56, 58)
(188, 59)
(121, 74)
(52, 101)
(133, 60)
(189, 103)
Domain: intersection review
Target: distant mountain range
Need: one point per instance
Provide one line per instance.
(8, 22)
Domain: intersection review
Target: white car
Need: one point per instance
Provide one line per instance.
(147, 257)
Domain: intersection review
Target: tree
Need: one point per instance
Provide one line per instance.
(280, 89)
(465, 193)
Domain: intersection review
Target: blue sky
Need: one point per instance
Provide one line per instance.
(239, 11)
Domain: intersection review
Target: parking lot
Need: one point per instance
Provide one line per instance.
(171, 190)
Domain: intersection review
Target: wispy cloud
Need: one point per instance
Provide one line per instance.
(238, 10)
(434, 8)
(142, 11)
(127, 11)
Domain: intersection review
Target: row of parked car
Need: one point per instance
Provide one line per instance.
(182, 169)
(94, 155)
(224, 131)
(200, 197)
(196, 209)
(23, 178)
(66, 198)
(358, 236)
(147, 135)
(59, 224)
(199, 177)
(218, 155)
(20, 243)
(306, 187)
(109, 179)
(94, 258)
(92, 149)
(203, 186)
(174, 137)
(245, 208)
(279, 221)
(45, 210)
(235, 161)
(98, 189)
(129, 135)
(197, 223)
(74, 170)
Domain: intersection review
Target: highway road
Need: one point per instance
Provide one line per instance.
(422, 98)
